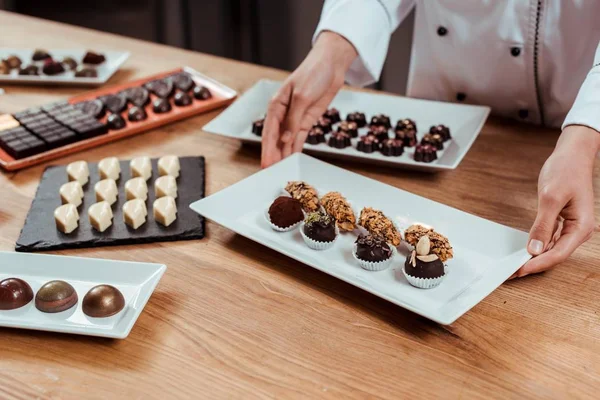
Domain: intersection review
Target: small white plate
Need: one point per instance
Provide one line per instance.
(485, 253)
(465, 123)
(114, 60)
(135, 280)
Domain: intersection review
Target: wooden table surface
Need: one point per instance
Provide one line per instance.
(233, 319)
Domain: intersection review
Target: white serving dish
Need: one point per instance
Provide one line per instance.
(486, 253)
(465, 123)
(114, 60)
(135, 280)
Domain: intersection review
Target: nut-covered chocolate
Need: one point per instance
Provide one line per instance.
(305, 194)
(333, 115)
(358, 117)
(257, 126)
(377, 224)
(380, 132)
(392, 148)
(372, 248)
(285, 212)
(315, 135)
(425, 153)
(438, 244)
(55, 296)
(427, 267)
(406, 124)
(103, 301)
(325, 124)
(407, 136)
(441, 130)
(14, 293)
(434, 140)
(368, 144)
(339, 140)
(320, 227)
(340, 209)
(381, 120)
(351, 128)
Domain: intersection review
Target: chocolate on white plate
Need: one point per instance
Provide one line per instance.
(136, 188)
(109, 168)
(165, 186)
(71, 193)
(100, 215)
(66, 218)
(78, 171)
(106, 190)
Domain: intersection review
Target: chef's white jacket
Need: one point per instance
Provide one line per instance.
(535, 60)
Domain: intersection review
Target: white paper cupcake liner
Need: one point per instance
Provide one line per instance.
(425, 283)
(316, 245)
(374, 266)
(278, 228)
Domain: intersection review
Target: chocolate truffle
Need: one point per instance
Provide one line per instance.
(429, 266)
(4, 69)
(441, 130)
(115, 103)
(333, 115)
(325, 124)
(29, 70)
(381, 120)
(305, 194)
(377, 224)
(93, 58)
(406, 124)
(69, 63)
(285, 212)
(372, 248)
(183, 81)
(407, 136)
(52, 67)
(115, 122)
(425, 153)
(320, 227)
(358, 117)
(136, 114)
(339, 140)
(368, 144)
(182, 99)
(392, 148)
(160, 106)
(39, 55)
(380, 132)
(103, 301)
(351, 128)
(162, 88)
(86, 72)
(340, 209)
(55, 296)
(436, 243)
(138, 96)
(14, 293)
(434, 140)
(201, 93)
(94, 108)
(315, 135)
(257, 126)
(13, 62)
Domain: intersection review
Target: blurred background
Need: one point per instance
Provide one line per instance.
(275, 33)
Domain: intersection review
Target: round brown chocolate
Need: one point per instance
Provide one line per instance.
(55, 296)
(93, 58)
(320, 227)
(182, 99)
(201, 93)
(14, 293)
(160, 106)
(422, 269)
(103, 301)
(52, 67)
(86, 72)
(285, 212)
(29, 70)
(13, 62)
(69, 63)
(136, 114)
(115, 122)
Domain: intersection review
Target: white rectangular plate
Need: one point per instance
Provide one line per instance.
(465, 123)
(485, 253)
(114, 60)
(135, 280)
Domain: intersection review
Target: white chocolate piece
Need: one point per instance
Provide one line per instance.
(106, 190)
(78, 171)
(100, 216)
(67, 218)
(165, 210)
(109, 168)
(71, 193)
(141, 167)
(165, 186)
(136, 188)
(169, 165)
(135, 213)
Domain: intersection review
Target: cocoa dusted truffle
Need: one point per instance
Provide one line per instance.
(339, 140)
(161, 106)
(39, 55)
(372, 248)
(257, 126)
(351, 128)
(93, 58)
(315, 135)
(285, 212)
(381, 120)
(425, 153)
(368, 144)
(320, 227)
(358, 117)
(377, 224)
(13, 62)
(182, 99)
(380, 132)
(29, 70)
(406, 124)
(325, 124)
(305, 194)
(407, 136)
(434, 140)
(392, 148)
(441, 130)
(136, 114)
(333, 115)
(86, 72)
(201, 93)
(69, 63)
(338, 207)
(115, 122)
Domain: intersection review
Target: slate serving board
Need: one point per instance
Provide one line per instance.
(40, 234)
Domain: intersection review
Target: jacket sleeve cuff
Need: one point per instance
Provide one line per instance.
(586, 109)
(366, 25)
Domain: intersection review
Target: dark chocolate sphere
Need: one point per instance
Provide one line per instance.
(320, 227)
(14, 293)
(202, 93)
(136, 114)
(115, 122)
(368, 144)
(52, 67)
(285, 212)
(160, 106)
(425, 153)
(183, 81)
(103, 301)
(315, 135)
(55, 296)
(372, 248)
(422, 269)
(333, 115)
(182, 99)
(358, 117)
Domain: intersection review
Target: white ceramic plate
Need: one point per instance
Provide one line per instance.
(114, 60)
(464, 121)
(135, 280)
(486, 253)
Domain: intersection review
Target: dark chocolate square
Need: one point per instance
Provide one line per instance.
(40, 233)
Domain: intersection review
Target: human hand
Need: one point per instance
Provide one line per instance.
(565, 216)
(305, 96)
